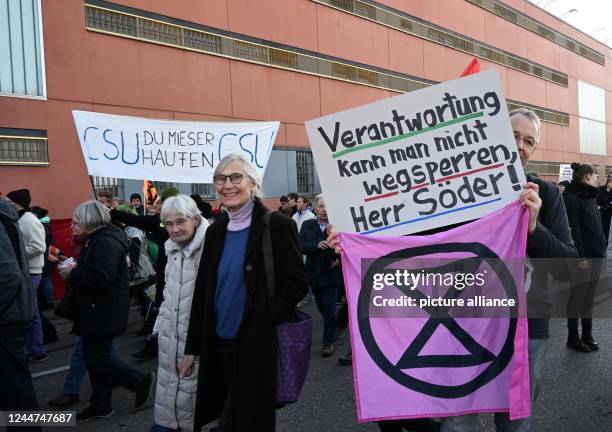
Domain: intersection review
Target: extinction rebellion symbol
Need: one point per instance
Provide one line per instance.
(411, 358)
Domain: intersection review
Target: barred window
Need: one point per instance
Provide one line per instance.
(250, 51)
(21, 59)
(23, 151)
(111, 184)
(205, 190)
(305, 172)
(202, 41)
(110, 21)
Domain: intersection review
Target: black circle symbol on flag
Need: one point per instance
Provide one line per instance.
(411, 359)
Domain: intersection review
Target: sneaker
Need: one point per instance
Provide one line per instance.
(145, 390)
(64, 401)
(327, 351)
(346, 359)
(91, 413)
(37, 358)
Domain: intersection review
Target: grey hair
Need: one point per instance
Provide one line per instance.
(248, 169)
(316, 200)
(180, 205)
(91, 215)
(530, 115)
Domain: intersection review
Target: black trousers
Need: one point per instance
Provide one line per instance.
(584, 284)
(226, 351)
(16, 389)
(106, 372)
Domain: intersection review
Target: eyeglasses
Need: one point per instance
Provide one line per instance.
(527, 141)
(221, 179)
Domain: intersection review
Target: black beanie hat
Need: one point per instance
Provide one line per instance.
(21, 197)
(135, 196)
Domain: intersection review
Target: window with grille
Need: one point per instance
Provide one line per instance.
(305, 172)
(250, 51)
(205, 190)
(21, 50)
(111, 184)
(23, 151)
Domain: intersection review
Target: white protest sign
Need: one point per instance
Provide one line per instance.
(434, 157)
(565, 172)
(166, 150)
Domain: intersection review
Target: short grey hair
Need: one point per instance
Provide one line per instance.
(180, 205)
(248, 169)
(316, 200)
(91, 215)
(530, 115)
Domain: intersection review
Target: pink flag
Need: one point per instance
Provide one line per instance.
(436, 361)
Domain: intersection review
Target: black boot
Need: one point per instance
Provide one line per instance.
(587, 334)
(574, 342)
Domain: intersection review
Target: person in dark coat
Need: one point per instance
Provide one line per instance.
(584, 219)
(232, 322)
(100, 286)
(16, 315)
(323, 266)
(604, 201)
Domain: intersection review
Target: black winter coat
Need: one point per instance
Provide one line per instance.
(16, 292)
(318, 261)
(100, 281)
(253, 397)
(585, 220)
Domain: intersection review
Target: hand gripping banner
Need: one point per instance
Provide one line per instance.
(425, 340)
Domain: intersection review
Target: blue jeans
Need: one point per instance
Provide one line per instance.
(467, 423)
(34, 338)
(47, 288)
(325, 297)
(76, 374)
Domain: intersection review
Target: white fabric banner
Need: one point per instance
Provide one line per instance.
(433, 157)
(167, 150)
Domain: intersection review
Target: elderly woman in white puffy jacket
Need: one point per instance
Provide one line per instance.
(175, 395)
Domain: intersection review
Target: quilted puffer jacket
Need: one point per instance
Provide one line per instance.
(175, 396)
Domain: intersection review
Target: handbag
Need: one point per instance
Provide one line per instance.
(65, 307)
(294, 336)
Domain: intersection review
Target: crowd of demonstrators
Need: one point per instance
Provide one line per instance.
(213, 317)
(237, 350)
(323, 266)
(175, 395)
(99, 281)
(585, 222)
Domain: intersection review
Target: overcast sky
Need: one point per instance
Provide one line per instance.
(593, 17)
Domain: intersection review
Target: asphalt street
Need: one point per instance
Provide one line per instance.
(576, 393)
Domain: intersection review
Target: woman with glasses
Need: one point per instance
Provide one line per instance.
(232, 324)
(583, 216)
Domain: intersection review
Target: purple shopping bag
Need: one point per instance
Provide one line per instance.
(294, 336)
